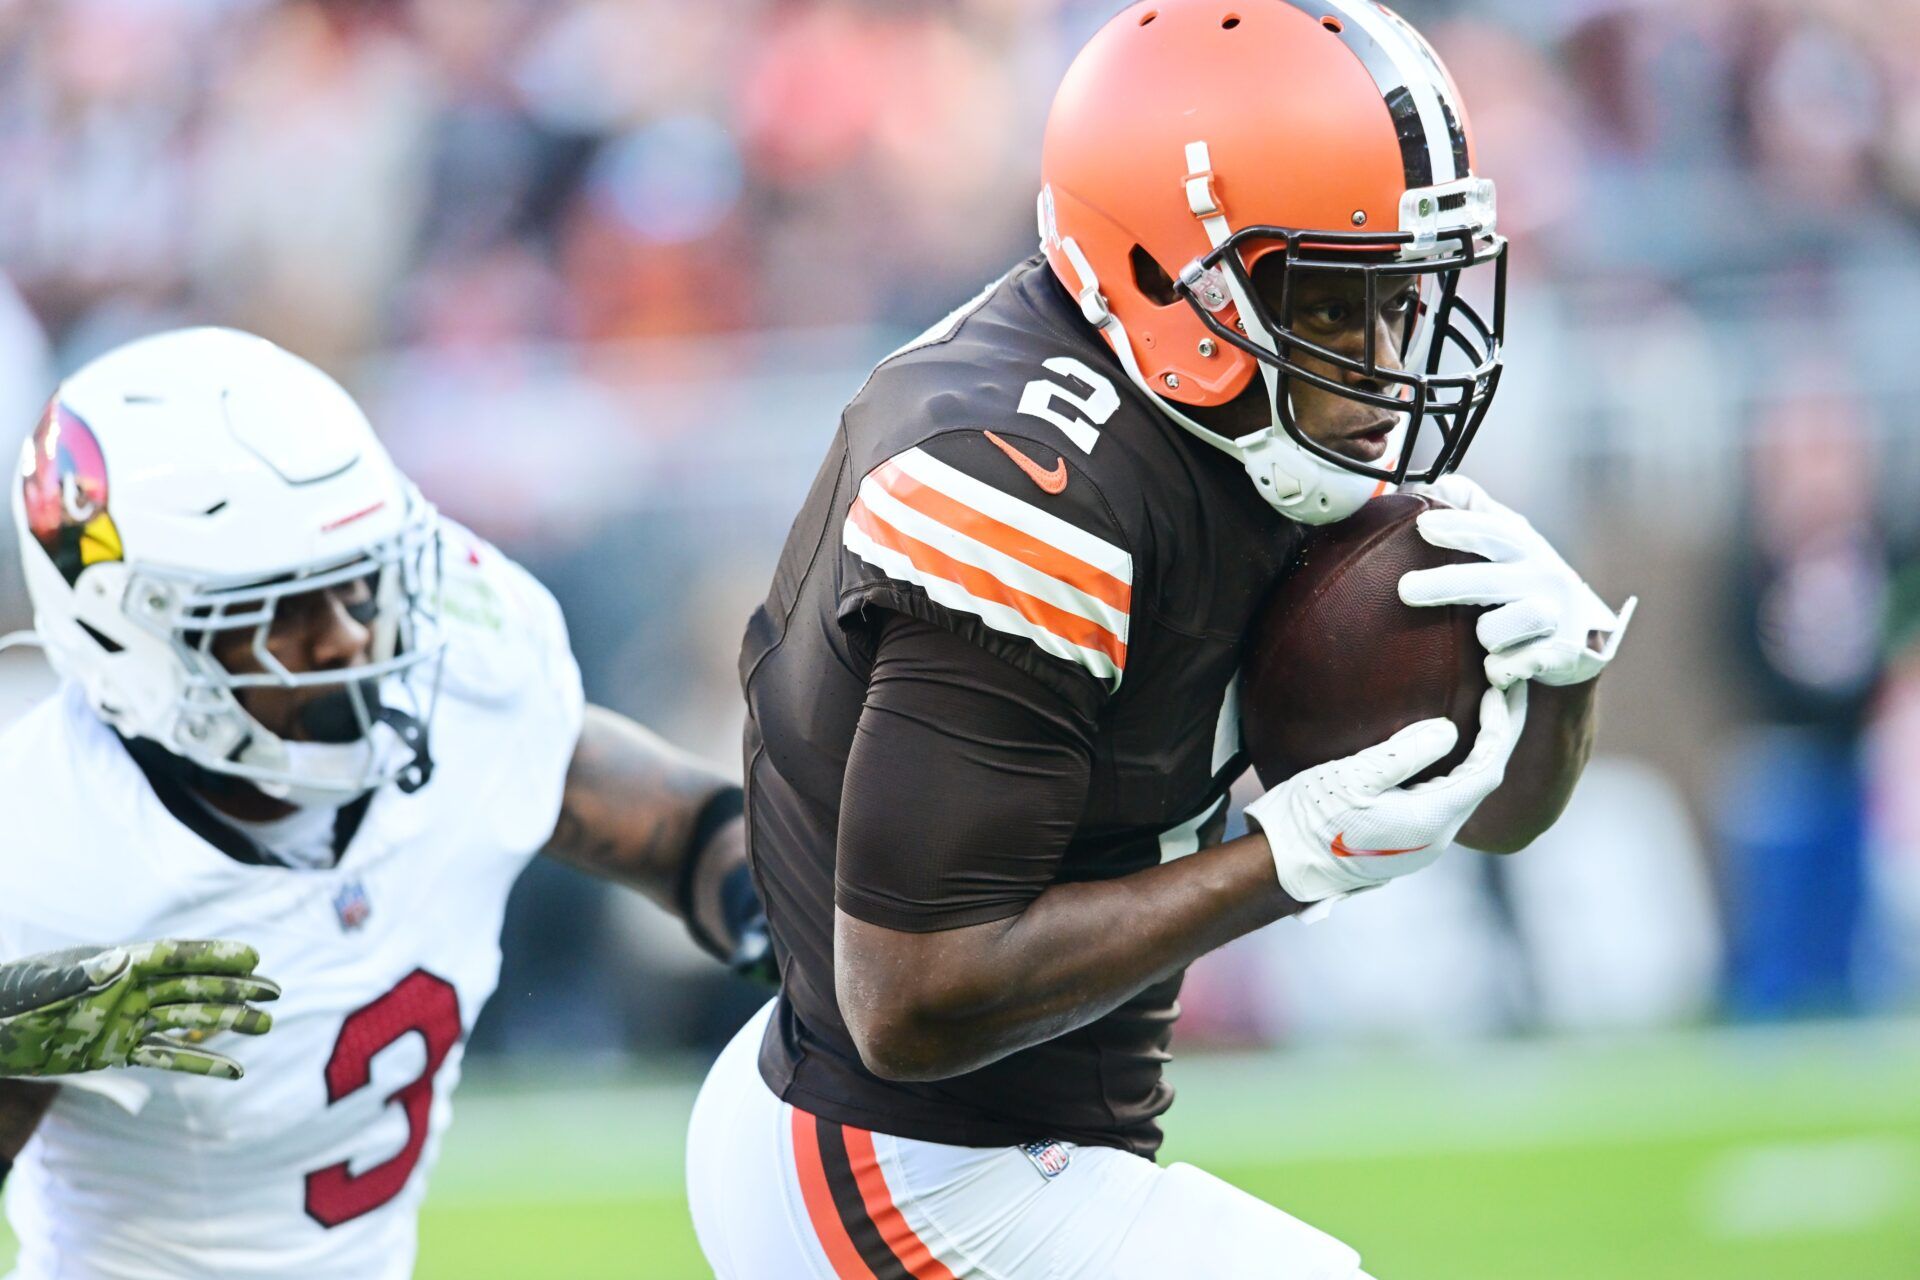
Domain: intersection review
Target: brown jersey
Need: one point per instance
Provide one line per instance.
(1002, 480)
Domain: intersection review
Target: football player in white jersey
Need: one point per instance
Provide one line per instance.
(298, 709)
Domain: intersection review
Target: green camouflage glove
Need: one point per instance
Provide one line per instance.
(142, 1005)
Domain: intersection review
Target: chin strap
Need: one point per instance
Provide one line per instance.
(413, 736)
(1251, 451)
(1246, 451)
(1205, 207)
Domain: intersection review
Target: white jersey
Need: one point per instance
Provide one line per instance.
(315, 1164)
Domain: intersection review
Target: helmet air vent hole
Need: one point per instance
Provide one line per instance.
(1333, 24)
(1151, 278)
(1229, 22)
(1149, 16)
(106, 642)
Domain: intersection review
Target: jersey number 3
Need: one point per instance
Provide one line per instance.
(423, 1003)
(1103, 402)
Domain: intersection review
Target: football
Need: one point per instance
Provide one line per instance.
(1336, 663)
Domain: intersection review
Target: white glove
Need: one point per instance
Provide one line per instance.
(1547, 618)
(1349, 824)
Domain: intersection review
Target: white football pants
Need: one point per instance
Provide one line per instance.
(778, 1194)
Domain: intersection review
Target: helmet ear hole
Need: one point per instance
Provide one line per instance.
(1151, 279)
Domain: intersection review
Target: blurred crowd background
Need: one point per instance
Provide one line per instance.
(604, 271)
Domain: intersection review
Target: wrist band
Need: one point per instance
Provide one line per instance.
(721, 808)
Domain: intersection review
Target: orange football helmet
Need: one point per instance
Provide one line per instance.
(1193, 138)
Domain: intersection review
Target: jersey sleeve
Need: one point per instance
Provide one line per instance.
(510, 661)
(965, 783)
(1005, 542)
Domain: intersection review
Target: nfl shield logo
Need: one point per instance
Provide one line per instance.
(1050, 1158)
(352, 906)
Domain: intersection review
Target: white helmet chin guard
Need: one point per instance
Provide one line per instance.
(175, 493)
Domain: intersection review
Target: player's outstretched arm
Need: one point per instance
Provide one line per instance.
(87, 1008)
(644, 814)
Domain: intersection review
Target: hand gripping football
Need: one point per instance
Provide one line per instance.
(1336, 663)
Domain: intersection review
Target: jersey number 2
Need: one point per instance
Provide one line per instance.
(423, 1003)
(1103, 402)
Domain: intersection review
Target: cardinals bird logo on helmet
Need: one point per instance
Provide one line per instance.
(63, 482)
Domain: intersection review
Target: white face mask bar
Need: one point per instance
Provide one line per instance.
(375, 729)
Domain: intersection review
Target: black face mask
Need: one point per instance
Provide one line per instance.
(1452, 404)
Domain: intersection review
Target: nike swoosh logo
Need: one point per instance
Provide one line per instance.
(1054, 481)
(1340, 850)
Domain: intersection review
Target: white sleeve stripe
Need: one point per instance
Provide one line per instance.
(1024, 516)
(1014, 573)
(996, 615)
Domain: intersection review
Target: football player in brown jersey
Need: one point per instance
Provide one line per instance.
(991, 691)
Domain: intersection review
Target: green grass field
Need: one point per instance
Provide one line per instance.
(1757, 1155)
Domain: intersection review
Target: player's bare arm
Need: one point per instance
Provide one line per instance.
(22, 1104)
(1547, 763)
(924, 1006)
(643, 814)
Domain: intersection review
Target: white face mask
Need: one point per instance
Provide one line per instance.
(391, 696)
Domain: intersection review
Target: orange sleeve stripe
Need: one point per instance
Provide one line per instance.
(900, 1236)
(984, 586)
(1004, 538)
(827, 1227)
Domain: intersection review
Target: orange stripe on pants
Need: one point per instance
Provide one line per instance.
(832, 1234)
(894, 1228)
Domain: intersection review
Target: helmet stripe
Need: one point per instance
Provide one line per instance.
(1442, 85)
(1432, 143)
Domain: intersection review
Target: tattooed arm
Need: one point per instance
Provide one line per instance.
(643, 814)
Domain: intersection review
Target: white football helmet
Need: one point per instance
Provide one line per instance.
(176, 490)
